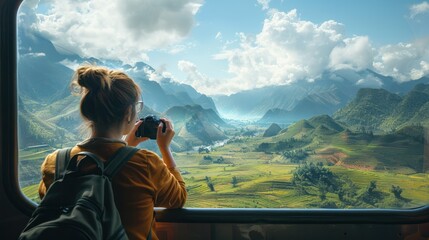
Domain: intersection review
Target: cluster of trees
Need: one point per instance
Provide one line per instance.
(295, 156)
(207, 159)
(203, 150)
(211, 185)
(281, 145)
(310, 178)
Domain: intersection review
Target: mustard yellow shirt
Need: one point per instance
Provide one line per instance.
(143, 183)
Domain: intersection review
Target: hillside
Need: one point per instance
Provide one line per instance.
(380, 110)
(369, 108)
(411, 110)
(311, 105)
(322, 139)
(33, 130)
(272, 130)
(308, 128)
(197, 124)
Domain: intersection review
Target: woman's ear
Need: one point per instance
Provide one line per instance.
(129, 114)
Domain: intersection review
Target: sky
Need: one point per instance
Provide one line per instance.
(227, 46)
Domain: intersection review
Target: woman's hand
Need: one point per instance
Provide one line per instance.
(163, 139)
(131, 138)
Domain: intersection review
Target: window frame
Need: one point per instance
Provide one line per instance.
(9, 163)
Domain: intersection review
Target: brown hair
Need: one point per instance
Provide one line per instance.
(106, 95)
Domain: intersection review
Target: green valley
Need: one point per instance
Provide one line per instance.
(315, 163)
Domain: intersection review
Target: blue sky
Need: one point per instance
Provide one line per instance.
(221, 46)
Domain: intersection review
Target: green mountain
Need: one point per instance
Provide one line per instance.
(327, 122)
(272, 130)
(410, 110)
(196, 124)
(33, 130)
(369, 108)
(298, 129)
(63, 113)
(380, 110)
(322, 124)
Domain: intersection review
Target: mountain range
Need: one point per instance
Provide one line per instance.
(44, 74)
(45, 98)
(304, 99)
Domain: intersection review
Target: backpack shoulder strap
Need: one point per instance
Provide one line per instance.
(115, 163)
(63, 158)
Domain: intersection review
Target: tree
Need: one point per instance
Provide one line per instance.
(396, 190)
(211, 186)
(322, 194)
(371, 195)
(372, 186)
(234, 181)
(219, 160)
(263, 147)
(203, 150)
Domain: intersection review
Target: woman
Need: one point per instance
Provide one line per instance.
(110, 106)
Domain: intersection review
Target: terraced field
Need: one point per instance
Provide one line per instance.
(268, 185)
(264, 179)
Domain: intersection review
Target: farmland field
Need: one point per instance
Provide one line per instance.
(234, 176)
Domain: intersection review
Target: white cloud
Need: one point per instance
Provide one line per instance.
(264, 3)
(369, 81)
(124, 30)
(177, 49)
(157, 75)
(36, 54)
(354, 53)
(418, 9)
(404, 61)
(198, 80)
(289, 49)
(286, 50)
(70, 64)
(194, 76)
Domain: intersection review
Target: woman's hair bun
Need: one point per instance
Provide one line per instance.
(92, 78)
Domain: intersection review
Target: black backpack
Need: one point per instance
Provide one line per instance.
(80, 205)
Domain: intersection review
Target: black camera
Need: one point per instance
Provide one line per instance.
(149, 127)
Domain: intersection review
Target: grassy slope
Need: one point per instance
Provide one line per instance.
(267, 185)
(264, 182)
(264, 179)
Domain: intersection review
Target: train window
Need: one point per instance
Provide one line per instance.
(276, 104)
